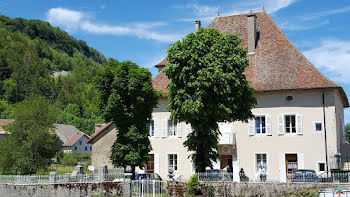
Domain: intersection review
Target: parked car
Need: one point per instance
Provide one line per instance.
(148, 176)
(304, 176)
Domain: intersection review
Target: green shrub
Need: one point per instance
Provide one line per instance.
(192, 185)
(70, 159)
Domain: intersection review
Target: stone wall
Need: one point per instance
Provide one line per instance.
(66, 190)
(250, 189)
(174, 189)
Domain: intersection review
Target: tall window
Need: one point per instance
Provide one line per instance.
(80, 142)
(260, 125)
(261, 161)
(173, 161)
(290, 124)
(150, 127)
(149, 167)
(171, 128)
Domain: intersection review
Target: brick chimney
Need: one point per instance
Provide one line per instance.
(252, 34)
(197, 25)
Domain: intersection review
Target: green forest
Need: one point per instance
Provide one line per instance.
(31, 51)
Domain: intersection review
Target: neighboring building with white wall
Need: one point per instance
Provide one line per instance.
(299, 117)
(71, 139)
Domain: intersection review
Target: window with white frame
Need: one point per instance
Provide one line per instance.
(290, 124)
(318, 127)
(260, 125)
(261, 160)
(172, 161)
(150, 127)
(171, 128)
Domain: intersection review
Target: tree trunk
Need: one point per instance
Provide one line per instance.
(133, 172)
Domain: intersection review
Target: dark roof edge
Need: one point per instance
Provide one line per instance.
(98, 132)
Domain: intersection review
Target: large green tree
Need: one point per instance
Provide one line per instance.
(32, 141)
(208, 86)
(128, 99)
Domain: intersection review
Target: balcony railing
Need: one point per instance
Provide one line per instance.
(227, 139)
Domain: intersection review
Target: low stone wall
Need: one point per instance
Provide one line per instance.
(231, 189)
(174, 189)
(68, 189)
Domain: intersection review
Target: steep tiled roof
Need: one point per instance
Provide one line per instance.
(5, 122)
(65, 132)
(99, 132)
(276, 63)
(162, 63)
(73, 139)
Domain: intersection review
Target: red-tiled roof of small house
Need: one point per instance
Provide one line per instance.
(5, 122)
(71, 141)
(99, 132)
(276, 64)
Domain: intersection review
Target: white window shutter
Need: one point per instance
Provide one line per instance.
(281, 124)
(268, 125)
(188, 129)
(165, 128)
(156, 127)
(156, 163)
(300, 160)
(178, 129)
(282, 168)
(299, 124)
(251, 126)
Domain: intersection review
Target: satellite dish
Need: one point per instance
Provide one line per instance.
(91, 168)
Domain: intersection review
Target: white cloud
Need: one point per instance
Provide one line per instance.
(71, 20)
(300, 26)
(272, 6)
(206, 13)
(326, 13)
(68, 19)
(332, 56)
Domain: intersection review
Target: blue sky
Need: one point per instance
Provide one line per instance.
(141, 31)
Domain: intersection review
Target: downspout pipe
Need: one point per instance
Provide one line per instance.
(325, 130)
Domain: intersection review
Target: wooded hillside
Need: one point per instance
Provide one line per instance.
(30, 51)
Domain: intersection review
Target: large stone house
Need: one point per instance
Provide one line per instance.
(299, 117)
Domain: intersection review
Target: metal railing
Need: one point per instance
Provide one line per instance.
(149, 188)
(38, 179)
(214, 177)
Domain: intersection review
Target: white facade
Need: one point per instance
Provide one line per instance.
(270, 144)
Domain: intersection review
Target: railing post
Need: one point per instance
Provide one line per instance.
(154, 188)
(142, 188)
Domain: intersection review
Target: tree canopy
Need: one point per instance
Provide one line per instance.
(128, 99)
(208, 86)
(30, 51)
(33, 141)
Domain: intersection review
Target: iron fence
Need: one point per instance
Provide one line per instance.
(148, 188)
(38, 179)
(214, 177)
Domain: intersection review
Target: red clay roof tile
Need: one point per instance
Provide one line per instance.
(276, 63)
